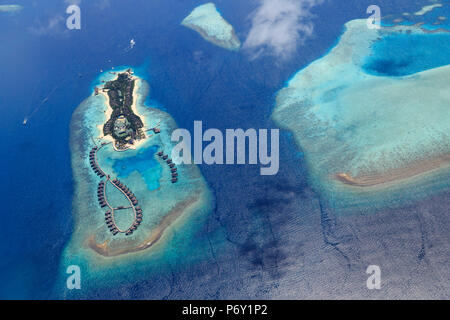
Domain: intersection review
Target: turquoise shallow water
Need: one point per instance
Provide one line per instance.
(365, 111)
(142, 162)
(149, 179)
(265, 239)
(405, 54)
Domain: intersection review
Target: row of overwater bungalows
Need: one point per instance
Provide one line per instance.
(137, 222)
(93, 162)
(110, 223)
(101, 194)
(127, 191)
(173, 168)
(134, 201)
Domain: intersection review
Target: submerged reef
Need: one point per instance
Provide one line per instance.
(10, 8)
(208, 22)
(427, 9)
(372, 135)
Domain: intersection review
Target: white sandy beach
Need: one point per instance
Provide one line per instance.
(108, 113)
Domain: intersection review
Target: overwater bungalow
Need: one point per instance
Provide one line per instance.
(174, 174)
(156, 130)
(169, 161)
(165, 157)
(160, 153)
(172, 165)
(174, 180)
(173, 170)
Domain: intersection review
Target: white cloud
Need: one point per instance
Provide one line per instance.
(53, 26)
(279, 26)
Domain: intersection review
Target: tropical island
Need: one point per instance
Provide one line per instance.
(123, 125)
(129, 194)
(208, 22)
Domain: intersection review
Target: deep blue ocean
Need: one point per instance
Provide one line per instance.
(46, 72)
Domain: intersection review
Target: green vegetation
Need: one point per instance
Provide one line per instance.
(124, 126)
